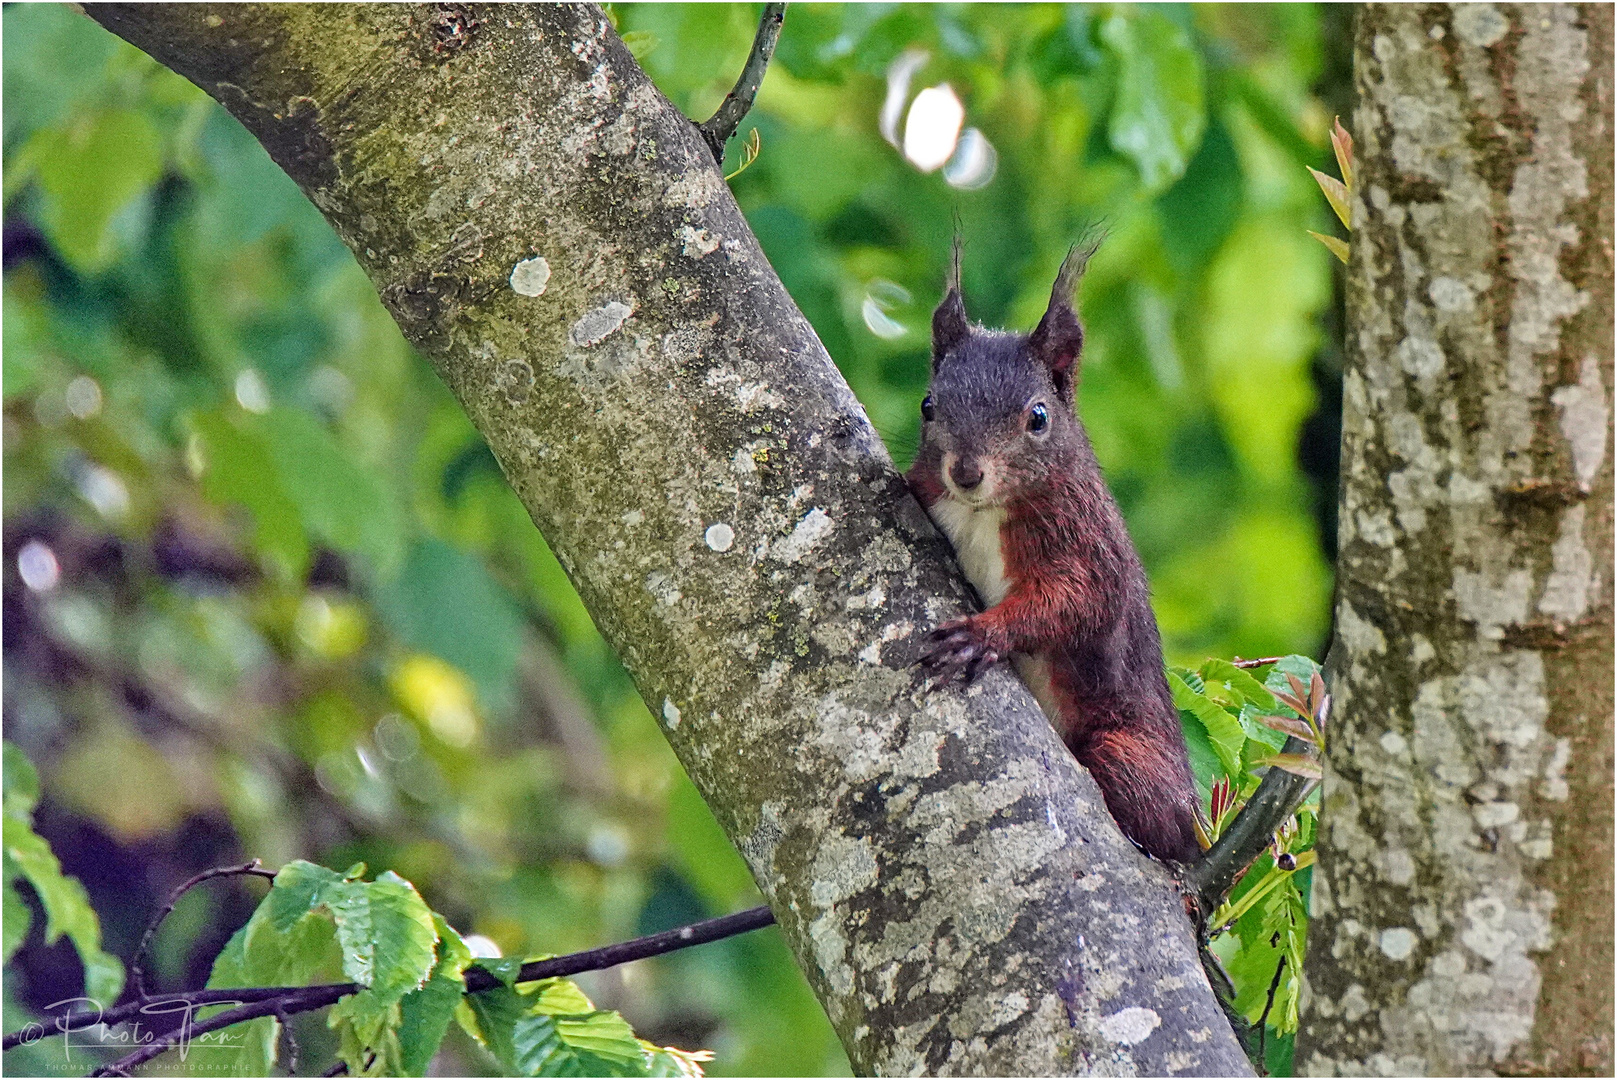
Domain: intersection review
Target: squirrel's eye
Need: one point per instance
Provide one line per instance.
(928, 413)
(1038, 418)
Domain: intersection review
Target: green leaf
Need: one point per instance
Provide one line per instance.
(674, 1062)
(318, 926)
(67, 905)
(503, 968)
(1159, 112)
(338, 502)
(21, 782)
(90, 171)
(424, 1014)
(383, 927)
(1337, 247)
(495, 1014)
(16, 915)
(1204, 760)
(367, 1034)
(1223, 730)
(238, 469)
(559, 997)
(554, 1030)
(386, 933)
(298, 888)
(1241, 682)
(1296, 664)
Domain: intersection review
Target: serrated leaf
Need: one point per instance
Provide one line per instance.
(607, 1035)
(424, 1014)
(367, 1034)
(671, 1061)
(298, 890)
(503, 968)
(1223, 730)
(252, 1052)
(1293, 664)
(1238, 680)
(495, 1014)
(559, 997)
(530, 1041)
(386, 933)
(1204, 761)
(1190, 677)
(67, 907)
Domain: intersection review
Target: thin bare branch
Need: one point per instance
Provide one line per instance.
(137, 971)
(718, 128)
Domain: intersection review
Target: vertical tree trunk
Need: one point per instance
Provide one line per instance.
(1463, 896)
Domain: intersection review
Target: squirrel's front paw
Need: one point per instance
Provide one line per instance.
(958, 648)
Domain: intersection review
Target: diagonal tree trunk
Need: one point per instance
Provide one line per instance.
(1464, 888)
(555, 238)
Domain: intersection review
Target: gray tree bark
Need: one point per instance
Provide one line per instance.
(1464, 888)
(555, 238)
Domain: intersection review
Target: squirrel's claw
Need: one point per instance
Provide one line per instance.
(955, 649)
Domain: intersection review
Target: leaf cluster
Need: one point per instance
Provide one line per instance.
(1235, 727)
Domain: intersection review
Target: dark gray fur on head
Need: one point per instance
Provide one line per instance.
(1055, 343)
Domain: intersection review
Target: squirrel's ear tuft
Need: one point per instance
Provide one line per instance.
(1059, 338)
(949, 324)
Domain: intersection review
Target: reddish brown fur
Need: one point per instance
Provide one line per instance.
(1077, 595)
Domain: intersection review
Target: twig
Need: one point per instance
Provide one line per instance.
(718, 128)
(608, 956)
(291, 1042)
(283, 1001)
(1277, 798)
(137, 973)
(1264, 661)
(1268, 1005)
(112, 1017)
(1218, 980)
(300, 1000)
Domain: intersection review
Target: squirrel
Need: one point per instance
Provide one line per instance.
(1005, 470)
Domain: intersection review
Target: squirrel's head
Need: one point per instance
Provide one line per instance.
(998, 417)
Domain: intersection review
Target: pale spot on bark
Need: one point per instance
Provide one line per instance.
(594, 327)
(1130, 1026)
(815, 527)
(1397, 943)
(531, 276)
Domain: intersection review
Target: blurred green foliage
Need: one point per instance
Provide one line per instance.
(264, 584)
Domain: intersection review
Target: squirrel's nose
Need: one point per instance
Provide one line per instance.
(966, 473)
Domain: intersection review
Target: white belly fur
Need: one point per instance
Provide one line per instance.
(975, 537)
